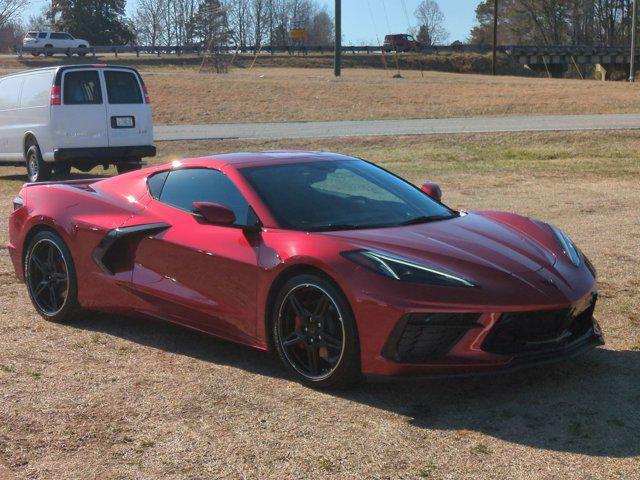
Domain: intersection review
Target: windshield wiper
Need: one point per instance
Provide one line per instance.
(427, 219)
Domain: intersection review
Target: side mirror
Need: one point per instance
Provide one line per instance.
(433, 190)
(214, 213)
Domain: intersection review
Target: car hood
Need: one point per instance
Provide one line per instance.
(470, 243)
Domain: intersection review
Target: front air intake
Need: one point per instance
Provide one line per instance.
(422, 337)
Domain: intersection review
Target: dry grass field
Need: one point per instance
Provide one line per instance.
(180, 95)
(115, 398)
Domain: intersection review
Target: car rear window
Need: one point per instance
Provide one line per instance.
(82, 88)
(122, 87)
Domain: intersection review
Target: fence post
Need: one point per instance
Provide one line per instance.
(115, 49)
(137, 51)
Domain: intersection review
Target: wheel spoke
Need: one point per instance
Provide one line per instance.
(53, 297)
(50, 258)
(313, 358)
(321, 306)
(293, 339)
(298, 309)
(36, 262)
(40, 288)
(331, 342)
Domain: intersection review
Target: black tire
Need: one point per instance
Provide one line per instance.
(62, 170)
(35, 54)
(50, 277)
(47, 53)
(37, 169)
(127, 167)
(328, 341)
(68, 52)
(81, 52)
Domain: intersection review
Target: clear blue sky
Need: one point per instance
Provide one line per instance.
(365, 21)
(358, 22)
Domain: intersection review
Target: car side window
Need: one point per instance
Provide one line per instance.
(188, 185)
(156, 183)
(82, 88)
(42, 35)
(60, 36)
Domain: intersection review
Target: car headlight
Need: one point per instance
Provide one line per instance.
(568, 247)
(405, 270)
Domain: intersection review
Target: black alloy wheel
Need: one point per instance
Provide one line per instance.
(50, 277)
(315, 333)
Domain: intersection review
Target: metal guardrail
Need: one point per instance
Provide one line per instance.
(511, 50)
(266, 49)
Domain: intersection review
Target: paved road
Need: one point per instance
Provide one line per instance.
(534, 123)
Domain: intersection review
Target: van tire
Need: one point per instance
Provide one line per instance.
(127, 167)
(62, 170)
(37, 169)
(48, 53)
(81, 50)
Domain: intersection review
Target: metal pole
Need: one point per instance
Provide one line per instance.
(494, 54)
(632, 69)
(337, 64)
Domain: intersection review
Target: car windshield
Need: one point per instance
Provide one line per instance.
(31, 35)
(341, 195)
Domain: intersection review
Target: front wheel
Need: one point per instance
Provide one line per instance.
(51, 277)
(315, 333)
(37, 169)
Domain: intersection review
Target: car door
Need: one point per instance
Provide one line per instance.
(195, 273)
(80, 121)
(128, 113)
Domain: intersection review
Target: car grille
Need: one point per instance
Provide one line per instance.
(537, 332)
(418, 338)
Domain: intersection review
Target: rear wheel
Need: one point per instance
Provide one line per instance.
(47, 50)
(62, 170)
(128, 167)
(37, 169)
(35, 54)
(315, 334)
(81, 51)
(51, 277)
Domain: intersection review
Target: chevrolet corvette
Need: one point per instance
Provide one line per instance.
(340, 267)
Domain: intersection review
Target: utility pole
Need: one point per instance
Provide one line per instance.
(494, 57)
(632, 69)
(337, 62)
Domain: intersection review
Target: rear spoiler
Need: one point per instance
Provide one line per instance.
(73, 183)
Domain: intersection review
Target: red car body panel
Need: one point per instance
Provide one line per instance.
(218, 279)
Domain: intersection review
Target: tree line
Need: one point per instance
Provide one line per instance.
(555, 22)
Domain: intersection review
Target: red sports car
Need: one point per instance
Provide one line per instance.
(336, 264)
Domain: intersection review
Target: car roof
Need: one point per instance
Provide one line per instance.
(255, 159)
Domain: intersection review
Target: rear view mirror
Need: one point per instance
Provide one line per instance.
(214, 213)
(433, 190)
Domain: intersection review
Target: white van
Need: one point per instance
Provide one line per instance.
(46, 42)
(82, 116)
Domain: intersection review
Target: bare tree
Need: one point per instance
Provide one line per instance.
(9, 10)
(431, 23)
(150, 21)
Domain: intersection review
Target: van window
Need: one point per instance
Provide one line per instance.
(82, 88)
(122, 87)
(10, 92)
(42, 35)
(36, 91)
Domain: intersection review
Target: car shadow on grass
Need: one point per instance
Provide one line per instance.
(589, 405)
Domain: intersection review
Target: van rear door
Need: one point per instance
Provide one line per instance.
(128, 111)
(80, 121)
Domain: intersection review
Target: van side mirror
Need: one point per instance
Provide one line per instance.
(214, 213)
(433, 190)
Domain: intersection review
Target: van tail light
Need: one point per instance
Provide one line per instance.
(146, 94)
(55, 95)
